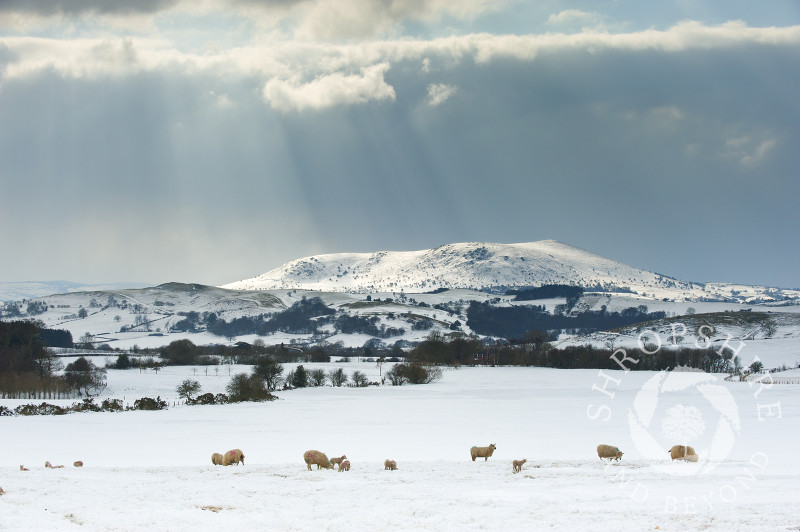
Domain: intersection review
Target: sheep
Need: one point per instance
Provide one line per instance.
(681, 452)
(318, 458)
(234, 456)
(609, 451)
(344, 466)
(1, 491)
(516, 465)
(391, 465)
(482, 452)
(77, 463)
(216, 459)
(48, 465)
(23, 468)
(338, 461)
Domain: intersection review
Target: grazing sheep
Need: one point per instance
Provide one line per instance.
(516, 465)
(681, 452)
(391, 465)
(48, 465)
(217, 459)
(318, 458)
(344, 466)
(78, 463)
(609, 451)
(23, 468)
(338, 461)
(234, 456)
(1, 491)
(482, 452)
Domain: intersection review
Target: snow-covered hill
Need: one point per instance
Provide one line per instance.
(479, 266)
(17, 291)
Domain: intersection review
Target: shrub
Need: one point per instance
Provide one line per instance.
(413, 373)
(148, 403)
(123, 362)
(245, 387)
(44, 409)
(111, 405)
(87, 405)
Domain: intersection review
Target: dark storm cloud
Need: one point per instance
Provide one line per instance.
(48, 8)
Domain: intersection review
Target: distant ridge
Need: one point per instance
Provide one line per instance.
(17, 291)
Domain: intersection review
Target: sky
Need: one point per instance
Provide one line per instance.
(210, 141)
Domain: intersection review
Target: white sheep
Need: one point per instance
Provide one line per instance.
(482, 452)
(391, 465)
(217, 459)
(337, 461)
(318, 458)
(609, 451)
(48, 465)
(234, 456)
(681, 452)
(516, 465)
(77, 463)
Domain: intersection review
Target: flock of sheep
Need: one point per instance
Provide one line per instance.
(321, 460)
(677, 452)
(48, 465)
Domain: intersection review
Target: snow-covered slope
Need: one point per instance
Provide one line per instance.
(478, 265)
(17, 291)
(468, 265)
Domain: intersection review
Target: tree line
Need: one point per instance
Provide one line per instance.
(513, 322)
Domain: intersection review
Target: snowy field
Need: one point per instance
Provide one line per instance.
(152, 470)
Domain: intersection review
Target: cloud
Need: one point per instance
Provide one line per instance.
(439, 93)
(290, 61)
(749, 151)
(573, 16)
(330, 90)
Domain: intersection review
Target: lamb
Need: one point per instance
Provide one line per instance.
(516, 465)
(681, 452)
(217, 459)
(609, 451)
(344, 466)
(482, 452)
(77, 463)
(234, 456)
(338, 461)
(318, 458)
(48, 465)
(23, 468)
(391, 465)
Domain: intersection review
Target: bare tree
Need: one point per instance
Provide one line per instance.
(337, 377)
(188, 388)
(317, 377)
(359, 379)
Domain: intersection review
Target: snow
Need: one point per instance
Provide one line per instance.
(480, 265)
(152, 470)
